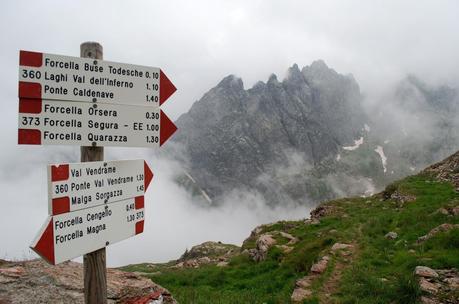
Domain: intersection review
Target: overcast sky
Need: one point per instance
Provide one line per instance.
(197, 43)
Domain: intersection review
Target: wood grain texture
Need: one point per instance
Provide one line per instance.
(94, 263)
(95, 277)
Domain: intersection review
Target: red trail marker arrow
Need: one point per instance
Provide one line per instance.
(58, 77)
(78, 186)
(167, 128)
(166, 88)
(69, 235)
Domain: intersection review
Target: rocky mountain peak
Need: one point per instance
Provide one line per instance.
(258, 86)
(294, 75)
(415, 94)
(319, 74)
(231, 82)
(233, 136)
(273, 79)
(319, 65)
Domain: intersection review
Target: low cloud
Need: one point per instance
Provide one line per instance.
(174, 220)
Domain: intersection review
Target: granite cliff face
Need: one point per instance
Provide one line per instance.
(235, 137)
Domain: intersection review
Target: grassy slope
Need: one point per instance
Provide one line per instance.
(380, 270)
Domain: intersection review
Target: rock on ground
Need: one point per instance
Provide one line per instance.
(428, 286)
(438, 285)
(425, 272)
(340, 246)
(37, 282)
(302, 289)
(391, 235)
(320, 266)
(442, 228)
(264, 242)
(447, 170)
(300, 294)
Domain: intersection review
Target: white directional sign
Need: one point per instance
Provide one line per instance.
(78, 186)
(70, 235)
(48, 76)
(56, 122)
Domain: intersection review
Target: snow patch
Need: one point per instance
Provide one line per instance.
(386, 141)
(367, 128)
(204, 194)
(338, 157)
(206, 197)
(190, 177)
(357, 144)
(380, 151)
(413, 168)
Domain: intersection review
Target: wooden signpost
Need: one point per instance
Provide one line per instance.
(91, 103)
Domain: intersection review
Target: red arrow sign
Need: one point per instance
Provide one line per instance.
(49, 76)
(78, 186)
(59, 122)
(148, 175)
(167, 128)
(166, 88)
(45, 244)
(70, 235)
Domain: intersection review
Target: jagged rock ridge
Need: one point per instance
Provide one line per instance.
(237, 138)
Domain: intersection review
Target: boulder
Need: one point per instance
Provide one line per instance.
(340, 246)
(191, 263)
(428, 286)
(313, 221)
(391, 235)
(204, 260)
(426, 300)
(443, 211)
(300, 294)
(292, 240)
(264, 242)
(301, 291)
(322, 210)
(441, 284)
(425, 272)
(320, 266)
(453, 282)
(441, 228)
(304, 282)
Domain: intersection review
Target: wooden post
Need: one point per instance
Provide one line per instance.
(94, 263)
